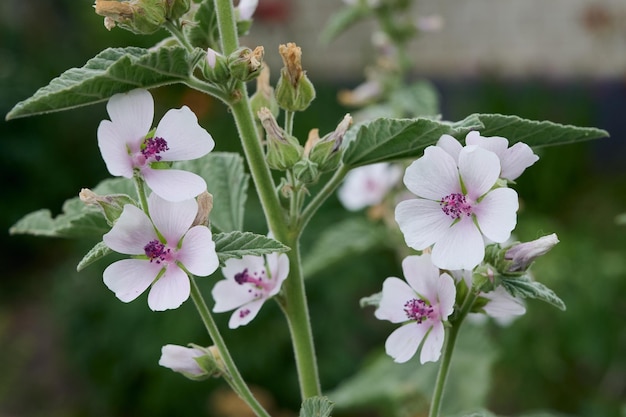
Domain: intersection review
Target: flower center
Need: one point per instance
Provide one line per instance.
(258, 280)
(455, 205)
(418, 310)
(152, 147)
(156, 251)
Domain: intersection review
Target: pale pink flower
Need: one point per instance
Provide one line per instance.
(182, 359)
(163, 246)
(246, 9)
(368, 185)
(425, 303)
(502, 305)
(513, 160)
(456, 206)
(250, 281)
(522, 255)
(128, 145)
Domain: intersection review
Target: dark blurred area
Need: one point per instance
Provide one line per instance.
(70, 348)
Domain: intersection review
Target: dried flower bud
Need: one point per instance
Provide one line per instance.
(325, 152)
(245, 64)
(283, 150)
(137, 16)
(294, 91)
(205, 205)
(111, 205)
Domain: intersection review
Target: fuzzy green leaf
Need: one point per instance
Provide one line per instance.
(112, 71)
(227, 182)
(203, 32)
(532, 132)
(527, 288)
(348, 238)
(316, 407)
(239, 244)
(392, 139)
(100, 250)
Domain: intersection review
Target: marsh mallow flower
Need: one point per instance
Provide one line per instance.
(161, 247)
(129, 146)
(368, 185)
(456, 206)
(182, 359)
(513, 160)
(423, 303)
(250, 281)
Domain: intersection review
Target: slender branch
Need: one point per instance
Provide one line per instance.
(227, 26)
(207, 88)
(175, 30)
(234, 377)
(289, 116)
(323, 195)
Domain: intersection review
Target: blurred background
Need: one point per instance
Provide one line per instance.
(68, 347)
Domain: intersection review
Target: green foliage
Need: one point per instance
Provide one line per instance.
(316, 407)
(525, 287)
(203, 32)
(99, 251)
(112, 71)
(343, 19)
(239, 244)
(350, 237)
(405, 389)
(227, 182)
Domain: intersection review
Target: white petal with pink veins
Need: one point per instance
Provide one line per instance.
(450, 145)
(245, 314)
(229, 295)
(395, 294)
(479, 170)
(185, 138)
(402, 344)
(422, 222)
(431, 349)
(421, 275)
(278, 265)
(129, 278)
(461, 247)
(131, 233)
(497, 214)
(516, 159)
(172, 219)
(173, 184)
(197, 253)
(132, 113)
(113, 147)
(433, 176)
(170, 290)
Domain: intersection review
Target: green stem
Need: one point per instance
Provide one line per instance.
(323, 195)
(289, 116)
(207, 88)
(140, 187)
(297, 313)
(234, 377)
(175, 30)
(227, 26)
(448, 348)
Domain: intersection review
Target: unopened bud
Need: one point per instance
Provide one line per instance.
(216, 68)
(521, 255)
(294, 91)
(177, 8)
(245, 64)
(306, 171)
(195, 362)
(205, 205)
(137, 16)
(264, 94)
(325, 152)
(283, 150)
(111, 205)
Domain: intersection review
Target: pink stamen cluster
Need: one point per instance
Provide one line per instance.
(156, 251)
(418, 310)
(153, 147)
(254, 279)
(455, 205)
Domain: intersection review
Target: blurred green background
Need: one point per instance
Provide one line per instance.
(68, 347)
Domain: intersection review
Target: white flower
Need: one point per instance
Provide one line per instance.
(513, 160)
(425, 303)
(522, 255)
(250, 281)
(456, 206)
(163, 245)
(128, 145)
(181, 359)
(502, 305)
(246, 9)
(368, 185)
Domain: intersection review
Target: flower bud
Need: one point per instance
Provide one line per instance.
(137, 16)
(216, 68)
(195, 362)
(111, 205)
(306, 171)
(245, 64)
(177, 8)
(325, 152)
(521, 255)
(294, 91)
(264, 94)
(283, 150)
(205, 205)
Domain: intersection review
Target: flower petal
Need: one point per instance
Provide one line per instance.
(462, 247)
(446, 295)
(181, 359)
(174, 184)
(246, 9)
(244, 314)
(501, 304)
(495, 144)
(422, 222)
(132, 114)
(395, 295)
(450, 145)
(185, 138)
(235, 266)
(516, 159)
(431, 349)
(131, 232)
(170, 290)
(479, 170)
(402, 344)
(497, 214)
(433, 176)
(278, 265)
(422, 275)
(197, 252)
(113, 148)
(172, 219)
(229, 295)
(129, 278)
